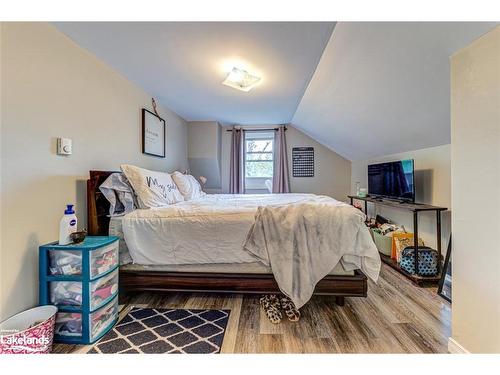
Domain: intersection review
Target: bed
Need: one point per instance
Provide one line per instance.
(157, 274)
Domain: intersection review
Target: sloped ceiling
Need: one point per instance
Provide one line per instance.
(182, 64)
(382, 88)
(365, 90)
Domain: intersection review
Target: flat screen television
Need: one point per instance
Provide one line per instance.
(394, 180)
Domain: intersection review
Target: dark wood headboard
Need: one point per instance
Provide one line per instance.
(97, 205)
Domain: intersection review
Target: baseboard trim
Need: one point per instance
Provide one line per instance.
(455, 348)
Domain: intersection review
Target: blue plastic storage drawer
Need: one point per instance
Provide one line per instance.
(82, 280)
(70, 293)
(67, 260)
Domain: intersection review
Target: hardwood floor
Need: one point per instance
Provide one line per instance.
(396, 317)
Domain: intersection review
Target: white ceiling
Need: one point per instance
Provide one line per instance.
(365, 90)
(183, 64)
(382, 88)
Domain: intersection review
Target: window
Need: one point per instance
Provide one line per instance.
(259, 159)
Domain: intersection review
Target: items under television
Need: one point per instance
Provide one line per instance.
(394, 180)
(427, 261)
(415, 209)
(303, 161)
(379, 219)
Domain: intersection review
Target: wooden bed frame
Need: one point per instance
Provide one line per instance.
(339, 286)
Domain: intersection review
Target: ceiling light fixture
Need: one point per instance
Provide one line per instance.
(241, 80)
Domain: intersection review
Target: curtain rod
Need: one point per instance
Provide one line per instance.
(256, 130)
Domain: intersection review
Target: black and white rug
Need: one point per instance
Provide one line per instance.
(166, 331)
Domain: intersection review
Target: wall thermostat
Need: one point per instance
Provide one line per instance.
(64, 146)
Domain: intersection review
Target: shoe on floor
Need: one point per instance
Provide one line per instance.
(292, 313)
(270, 303)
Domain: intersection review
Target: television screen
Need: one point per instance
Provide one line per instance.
(392, 180)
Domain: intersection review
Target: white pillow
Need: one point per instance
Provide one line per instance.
(153, 189)
(189, 187)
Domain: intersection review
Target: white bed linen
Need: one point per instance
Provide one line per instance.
(126, 263)
(211, 229)
(115, 229)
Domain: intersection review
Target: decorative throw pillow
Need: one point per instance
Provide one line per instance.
(189, 187)
(153, 189)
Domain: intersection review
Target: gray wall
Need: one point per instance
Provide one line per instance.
(50, 88)
(204, 138)
(332, 172)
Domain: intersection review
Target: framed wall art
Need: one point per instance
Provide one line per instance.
(153, 134)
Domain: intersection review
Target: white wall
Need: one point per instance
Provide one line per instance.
(475, 161)
(432, 186)
(52, 88)
(331, 175)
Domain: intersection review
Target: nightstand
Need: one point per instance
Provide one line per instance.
(82, 281)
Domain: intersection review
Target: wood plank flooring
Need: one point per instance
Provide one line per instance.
(396, 317)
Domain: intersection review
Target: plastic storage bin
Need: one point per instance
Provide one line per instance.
(82, 281)
(65, 262)
(104, 289)
(104, 259)
(68, 324)
(102, 319)
(69, 293)
(69, 262)
(383, 243)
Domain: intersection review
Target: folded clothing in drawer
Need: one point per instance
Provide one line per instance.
(102, 289)
(68, 293)
(102, 318)
(68, 324)
(103, 259)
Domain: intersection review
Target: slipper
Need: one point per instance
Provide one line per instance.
(292, 313)
(271, 304)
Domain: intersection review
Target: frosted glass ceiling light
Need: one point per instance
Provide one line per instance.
(241, 80)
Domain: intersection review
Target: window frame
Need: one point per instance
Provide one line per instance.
(267, 137)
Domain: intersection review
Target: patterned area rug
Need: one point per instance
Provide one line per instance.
(166, 331)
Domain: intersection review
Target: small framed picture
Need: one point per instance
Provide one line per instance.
(153, 134)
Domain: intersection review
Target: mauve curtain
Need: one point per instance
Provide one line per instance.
(236, 169)
(281, 183)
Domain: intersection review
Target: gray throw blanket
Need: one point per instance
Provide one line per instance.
(303, 242)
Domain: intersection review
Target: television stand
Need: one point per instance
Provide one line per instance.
(404, 201)
(415, 208)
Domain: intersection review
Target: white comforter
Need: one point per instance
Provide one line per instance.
(212, 229)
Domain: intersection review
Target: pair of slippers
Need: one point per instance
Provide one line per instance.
(272, 305)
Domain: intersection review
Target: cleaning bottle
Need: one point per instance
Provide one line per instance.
(67, 225)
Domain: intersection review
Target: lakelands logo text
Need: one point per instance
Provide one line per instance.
(31, 344)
